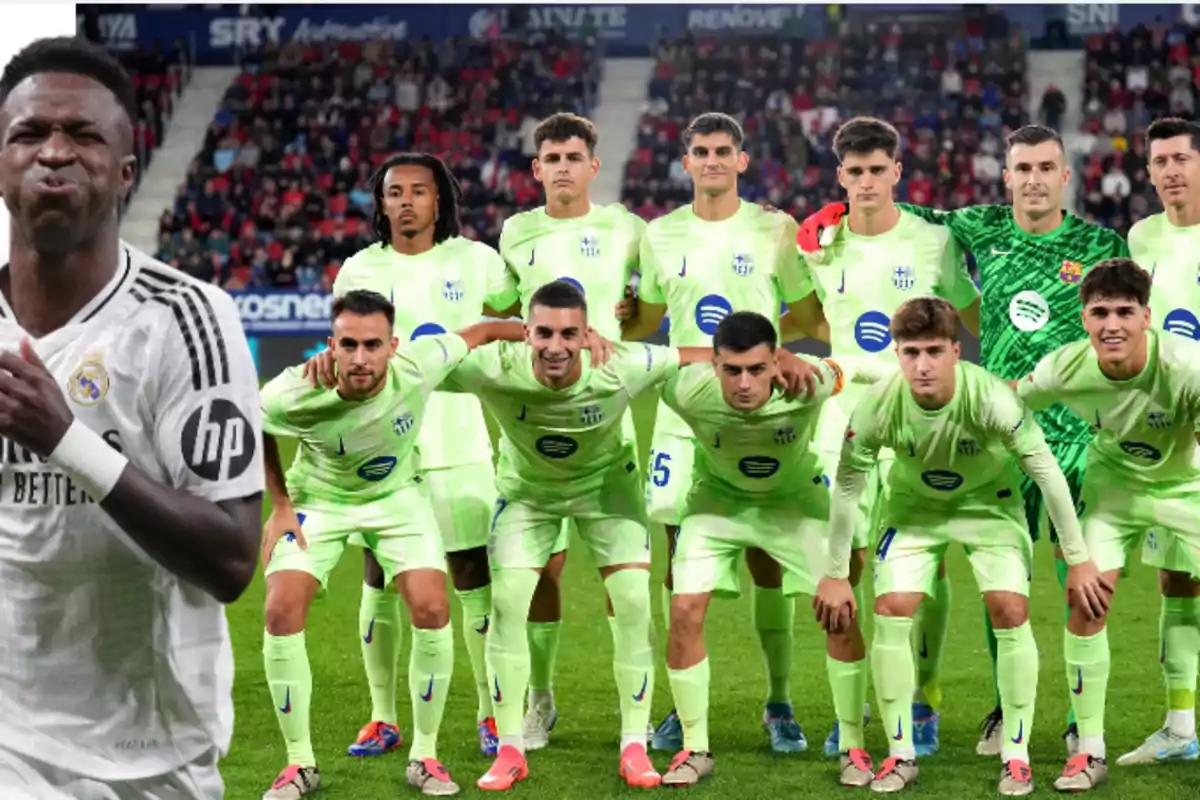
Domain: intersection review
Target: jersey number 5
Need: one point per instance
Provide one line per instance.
(660, 473)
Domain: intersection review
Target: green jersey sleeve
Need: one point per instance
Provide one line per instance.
(481, 368)
(650, 282)
(791, 272)
(429, 359)
(633, 252)
(967, 225)
(501, 283)
(1011, 422)
(1041, 388)
(954, 280)
(641, 366)
(276, 401)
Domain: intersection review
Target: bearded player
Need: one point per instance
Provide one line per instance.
(717, 255)
(884, 256)
(1031, 257)
(595, 249)
(1166, 245)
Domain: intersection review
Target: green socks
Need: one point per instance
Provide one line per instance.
(892, 666)
(1017, 673)
(1179, 654)
(290, 680)
(476, 618)
(633, 655)
(774, 615)
(507, 650)
(1087, 677)
(543, 653)
(929, 634)
(429, 669)
(848, 681)
(690, 690)
(381, 641)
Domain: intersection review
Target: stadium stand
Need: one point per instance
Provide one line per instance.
(280, 196)
(1131, 79)
(953, 90)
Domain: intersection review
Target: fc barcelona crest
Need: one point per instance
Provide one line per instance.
(1071, 272)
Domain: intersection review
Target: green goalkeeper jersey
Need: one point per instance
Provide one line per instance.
(597, 253)
(757, 456)
(1169, 254)
(704, 271)
(1030, 287)
(971, 443)
(443, 289)
(350, 451)
(558, 444)
(1145, 426)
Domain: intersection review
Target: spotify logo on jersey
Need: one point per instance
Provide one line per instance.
(428, 329)
(1182, 322)
(872, 331)
(1028, 311)
(710, 311)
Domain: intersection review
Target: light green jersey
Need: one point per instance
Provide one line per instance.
(750, 457)
(704, 271)
(1168, 253)
(353, 452)
(597, 253)
(557, 444)
(965, 447)
(1145, 426)
(440, 290)
(862, 280)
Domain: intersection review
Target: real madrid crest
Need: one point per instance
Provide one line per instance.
(88, 384)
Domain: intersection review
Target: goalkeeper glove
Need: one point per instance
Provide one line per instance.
(808, 238)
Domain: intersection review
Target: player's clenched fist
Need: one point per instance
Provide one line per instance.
(282, 522)
(834, 604)
(33, 411)
(808, 238)
(796, 375)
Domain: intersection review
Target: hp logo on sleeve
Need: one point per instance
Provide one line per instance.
(710, 311)
(217, 442)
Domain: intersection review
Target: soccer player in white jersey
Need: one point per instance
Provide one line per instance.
(594, 248)
(438, 281)
(878, 258)
(1166, 244)
(131, 477)
(356, 473)
(961, 440)
(717, 255)
(758, 483)
(1140, 389)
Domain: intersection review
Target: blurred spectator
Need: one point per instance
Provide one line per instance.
(1054, 105)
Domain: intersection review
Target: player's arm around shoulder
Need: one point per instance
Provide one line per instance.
(968, 225)
(1050, 379)
(646, 315)
(502, 298)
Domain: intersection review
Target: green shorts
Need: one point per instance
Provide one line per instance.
(525, 532)
(669, 477)
(716, 531)
(401, 530)
(462, 502)
(1072, 459)
(1117, 516)
(917, 532)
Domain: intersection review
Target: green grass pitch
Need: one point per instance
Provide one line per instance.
(581, 761)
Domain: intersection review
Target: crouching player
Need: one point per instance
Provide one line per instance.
(1140, 389)
(758, 483)
(959, 437)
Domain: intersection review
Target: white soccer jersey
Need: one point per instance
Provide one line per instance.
(111, 667)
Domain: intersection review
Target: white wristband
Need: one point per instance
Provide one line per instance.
(89, 460)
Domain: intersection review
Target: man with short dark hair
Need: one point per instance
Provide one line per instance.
(131, 494)
(867, 268)
(700, 263)
(1140, 389)
(959, 436)
(1166, 244)
(356, 475)
(1031, 256)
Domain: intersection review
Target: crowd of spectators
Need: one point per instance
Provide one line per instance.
(280, 193)
(1130, 80)
(954, 89)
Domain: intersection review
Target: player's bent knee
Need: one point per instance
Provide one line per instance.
(289, 595)
(424, 592)
(1006, 610)
(898, 604)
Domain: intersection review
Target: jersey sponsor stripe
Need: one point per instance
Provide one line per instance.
(208, 357)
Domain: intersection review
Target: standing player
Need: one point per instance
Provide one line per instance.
(757, 483)
(959, 436)
(869, 266)
(131, 483)
(355, 473)
(1166, 243)
(438, 282)
(699, 264)
(1031, 257)
(1140, 388)
(595, 249)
